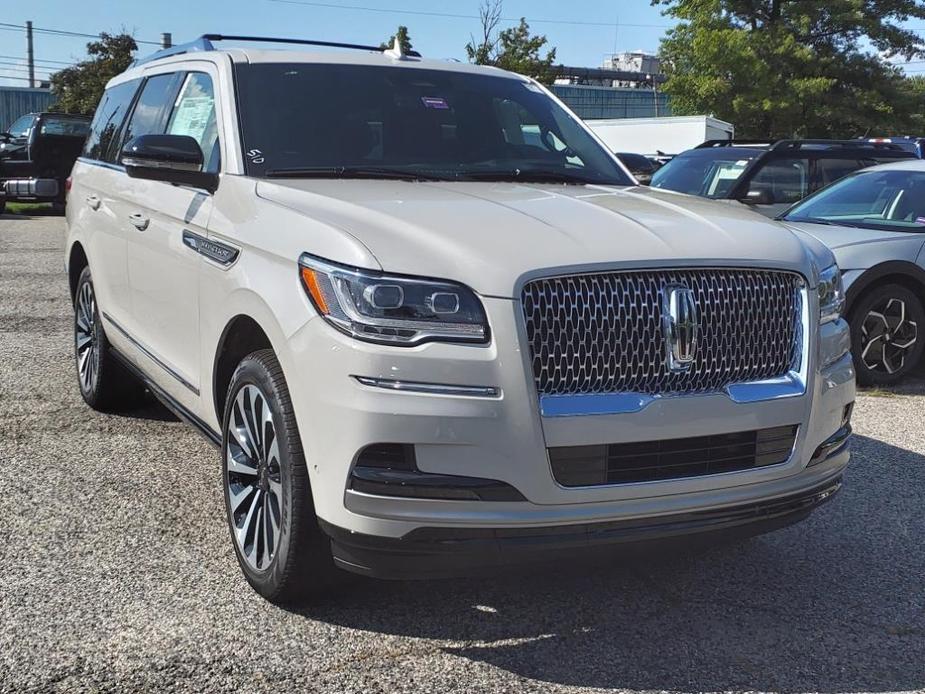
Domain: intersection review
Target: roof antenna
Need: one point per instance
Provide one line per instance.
(395, 52)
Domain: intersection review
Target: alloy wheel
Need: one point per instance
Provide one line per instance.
(85, 338)
(888, 335)
(252, 473)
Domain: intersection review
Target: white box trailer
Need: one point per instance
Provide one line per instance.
(670, 135)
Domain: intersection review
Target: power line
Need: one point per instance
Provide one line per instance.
(452, 15)
(63, 32)
(43, 60)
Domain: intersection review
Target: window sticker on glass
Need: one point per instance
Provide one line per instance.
(435, 102)
(192, 117)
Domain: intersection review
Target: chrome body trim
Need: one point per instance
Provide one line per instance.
(790, 385)
(431, 388)
(216, 251)
(150, 355)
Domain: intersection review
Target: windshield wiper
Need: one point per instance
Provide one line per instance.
(351, 172)
(826, 222)
(526, 176)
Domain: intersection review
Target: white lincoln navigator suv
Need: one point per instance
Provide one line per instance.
(433, 324)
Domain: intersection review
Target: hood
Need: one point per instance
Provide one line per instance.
(858, 249)
(493, 236)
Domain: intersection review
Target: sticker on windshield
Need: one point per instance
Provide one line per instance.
(436, 102)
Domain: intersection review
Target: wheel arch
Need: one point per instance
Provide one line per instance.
(242, 335)
(76, 262)
(899, 272)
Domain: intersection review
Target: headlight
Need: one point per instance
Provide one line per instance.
(831, 294)
(392, 309)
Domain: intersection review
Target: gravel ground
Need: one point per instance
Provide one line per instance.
(116, 571)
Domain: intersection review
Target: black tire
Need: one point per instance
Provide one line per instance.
(300, 566)
(892, 318)
(2, 205)
(104, 383)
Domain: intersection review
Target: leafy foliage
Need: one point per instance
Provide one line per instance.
(791, 68)
(513, 49)
(79, 88)
(404, 40)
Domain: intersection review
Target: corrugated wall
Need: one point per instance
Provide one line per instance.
(591, 102)
(18, 101)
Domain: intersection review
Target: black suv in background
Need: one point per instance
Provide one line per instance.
(37, 153)
(770, 176)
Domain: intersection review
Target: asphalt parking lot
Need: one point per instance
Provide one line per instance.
(116, 571)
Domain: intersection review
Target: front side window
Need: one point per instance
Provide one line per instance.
(786, 180)
(108, 120)
(382, 121)
(708, 172)
(194, 115)
(153, 106)
(21, 126)
(887, 200)
(829, 170)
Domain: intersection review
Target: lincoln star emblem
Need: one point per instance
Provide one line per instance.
(680, 326)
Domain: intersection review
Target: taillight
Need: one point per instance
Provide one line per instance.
(67, 185)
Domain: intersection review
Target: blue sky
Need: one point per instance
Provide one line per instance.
(608, 24)
(583, 31)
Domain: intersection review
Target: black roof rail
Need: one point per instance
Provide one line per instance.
(835, 144)
(734, 143)
(205, 43)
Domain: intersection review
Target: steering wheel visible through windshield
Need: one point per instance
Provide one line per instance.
(329, 120)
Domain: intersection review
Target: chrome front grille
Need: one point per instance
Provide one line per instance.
(603, 333)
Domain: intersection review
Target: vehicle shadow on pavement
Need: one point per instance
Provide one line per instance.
(833, 604)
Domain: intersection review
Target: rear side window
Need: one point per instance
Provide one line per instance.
(108, 120)
(830, 170)
(64, 127)
(194, 115)
(153, 106)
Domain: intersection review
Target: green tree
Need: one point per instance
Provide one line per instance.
(404, 40)
(794, 68)
(78, 89)
(513, 49)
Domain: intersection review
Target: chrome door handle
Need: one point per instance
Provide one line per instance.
(139, 221)
(94, 202)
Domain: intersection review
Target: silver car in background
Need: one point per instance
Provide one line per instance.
(874, 220)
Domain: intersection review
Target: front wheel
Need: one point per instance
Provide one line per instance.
(885, 327)
(282, 551)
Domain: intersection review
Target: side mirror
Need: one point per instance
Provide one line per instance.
(174, 159)
(758, 196)
(5, 137)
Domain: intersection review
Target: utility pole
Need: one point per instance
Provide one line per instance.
(30, 54)
(166, 40)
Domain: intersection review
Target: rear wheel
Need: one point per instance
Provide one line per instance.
(104, 383)
(282, 551)
(885, 334)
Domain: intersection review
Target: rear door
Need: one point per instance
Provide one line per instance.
(93, 204)
(163, 270)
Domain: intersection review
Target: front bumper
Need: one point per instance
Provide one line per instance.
(505, 437)
(439, 552)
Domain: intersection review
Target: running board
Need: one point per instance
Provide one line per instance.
(168, 401)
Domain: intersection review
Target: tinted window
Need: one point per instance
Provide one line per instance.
(709, 172)
(20, 127)
(830, 170)
(153, 106)
(64, 127)
(428, 123)
(194, 115)
(787, 180)
(889, 200)
(108, 120)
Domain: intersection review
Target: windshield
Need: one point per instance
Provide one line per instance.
(20, 127)
(68, 127)
(302, 119)
(710, 173)
(889, 200)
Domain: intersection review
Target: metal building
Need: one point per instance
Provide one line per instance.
(592, 102)
(18, 101)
